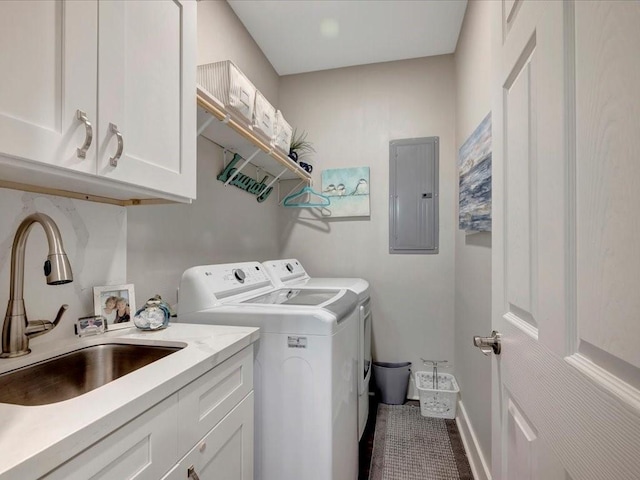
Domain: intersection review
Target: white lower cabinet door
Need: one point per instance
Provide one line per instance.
(143, 449)
(225, 453)
(207, 400)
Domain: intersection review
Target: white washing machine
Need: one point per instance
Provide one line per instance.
(291, 273)
(305, 382)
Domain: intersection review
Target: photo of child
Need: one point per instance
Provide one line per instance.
(123, 312)
(109, 309)
(114, 303)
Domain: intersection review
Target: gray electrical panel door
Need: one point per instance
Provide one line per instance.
(413, 190)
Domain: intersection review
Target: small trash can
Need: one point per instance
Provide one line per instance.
(392, 379)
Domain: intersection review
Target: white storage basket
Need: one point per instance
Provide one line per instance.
(230, 86)
(264, 117)
(284, 132)
(440, 402)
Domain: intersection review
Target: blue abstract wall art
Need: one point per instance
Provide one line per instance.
(348, 189)
(474, 166)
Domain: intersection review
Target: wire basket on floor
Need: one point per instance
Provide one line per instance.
(437, 398)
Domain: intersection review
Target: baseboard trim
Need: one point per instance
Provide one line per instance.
(477, 462)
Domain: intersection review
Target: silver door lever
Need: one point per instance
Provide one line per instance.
(490, 344)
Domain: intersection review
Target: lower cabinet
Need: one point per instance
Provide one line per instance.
(225, 453)
(205, 427)
(143, 449)
(203, 403)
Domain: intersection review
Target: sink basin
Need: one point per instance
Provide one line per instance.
(77, 372)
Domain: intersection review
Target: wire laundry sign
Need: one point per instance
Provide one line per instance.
(244, 182)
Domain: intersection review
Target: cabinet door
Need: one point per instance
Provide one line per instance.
(225, 453)
(147, 68)
(48, 62)
(206, 400)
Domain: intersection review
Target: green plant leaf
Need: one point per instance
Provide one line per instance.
(300, 144)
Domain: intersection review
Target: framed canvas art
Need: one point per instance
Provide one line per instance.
(348, 189)
(474, 167)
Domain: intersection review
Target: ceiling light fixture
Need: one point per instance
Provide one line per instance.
(329, 28)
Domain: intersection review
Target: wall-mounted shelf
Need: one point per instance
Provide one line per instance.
(216, 124)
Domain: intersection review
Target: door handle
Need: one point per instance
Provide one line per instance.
(113, 161)
(191, 473)
(88, 134)
(489, 344)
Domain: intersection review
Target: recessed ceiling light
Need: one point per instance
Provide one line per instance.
(329, 28)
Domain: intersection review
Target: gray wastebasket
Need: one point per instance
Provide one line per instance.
(392, 380)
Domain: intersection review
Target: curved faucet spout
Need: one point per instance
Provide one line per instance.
(16, 329)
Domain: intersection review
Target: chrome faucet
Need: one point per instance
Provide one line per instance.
(17, 329)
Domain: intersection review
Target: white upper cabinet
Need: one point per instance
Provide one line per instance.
(146, 93)
(129, 67)
(48, 62)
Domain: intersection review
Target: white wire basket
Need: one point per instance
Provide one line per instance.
(438, 396)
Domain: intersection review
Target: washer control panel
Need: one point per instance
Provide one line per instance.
(239, 274)
(287, 269)
(231, 278)
(205, 286)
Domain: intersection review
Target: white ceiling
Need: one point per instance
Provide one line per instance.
(308, 35)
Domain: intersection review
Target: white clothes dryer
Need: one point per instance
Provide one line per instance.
(305, 383)
(290, 273)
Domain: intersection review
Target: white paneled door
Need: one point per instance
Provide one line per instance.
(566, 240)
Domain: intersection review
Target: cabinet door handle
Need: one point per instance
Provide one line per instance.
(191, 473)
(113, 161)
(88, 136)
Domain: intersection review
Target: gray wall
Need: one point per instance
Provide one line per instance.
(350, 115)
(473, 252)
(224, 224)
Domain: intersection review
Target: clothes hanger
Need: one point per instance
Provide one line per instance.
(289, 201)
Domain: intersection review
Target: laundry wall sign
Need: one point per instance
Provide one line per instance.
(245, 182)
(349, 191)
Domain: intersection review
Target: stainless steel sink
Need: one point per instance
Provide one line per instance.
(74, 373)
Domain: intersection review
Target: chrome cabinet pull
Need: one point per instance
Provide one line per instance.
(113, 161)
(88, 136)
(191, 473)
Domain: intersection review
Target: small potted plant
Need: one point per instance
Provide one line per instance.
(300, 146)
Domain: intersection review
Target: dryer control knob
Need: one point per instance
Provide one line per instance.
(240, 275)
(289, 267)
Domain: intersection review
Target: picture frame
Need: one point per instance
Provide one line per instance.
(116, 304)
(91, 325)
(474, 174)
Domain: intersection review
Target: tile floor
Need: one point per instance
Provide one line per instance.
(366, 443)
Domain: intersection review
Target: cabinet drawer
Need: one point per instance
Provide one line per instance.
(206, 400)
(226, 452)
(144, 448)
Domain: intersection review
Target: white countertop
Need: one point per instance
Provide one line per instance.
(34, 440)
